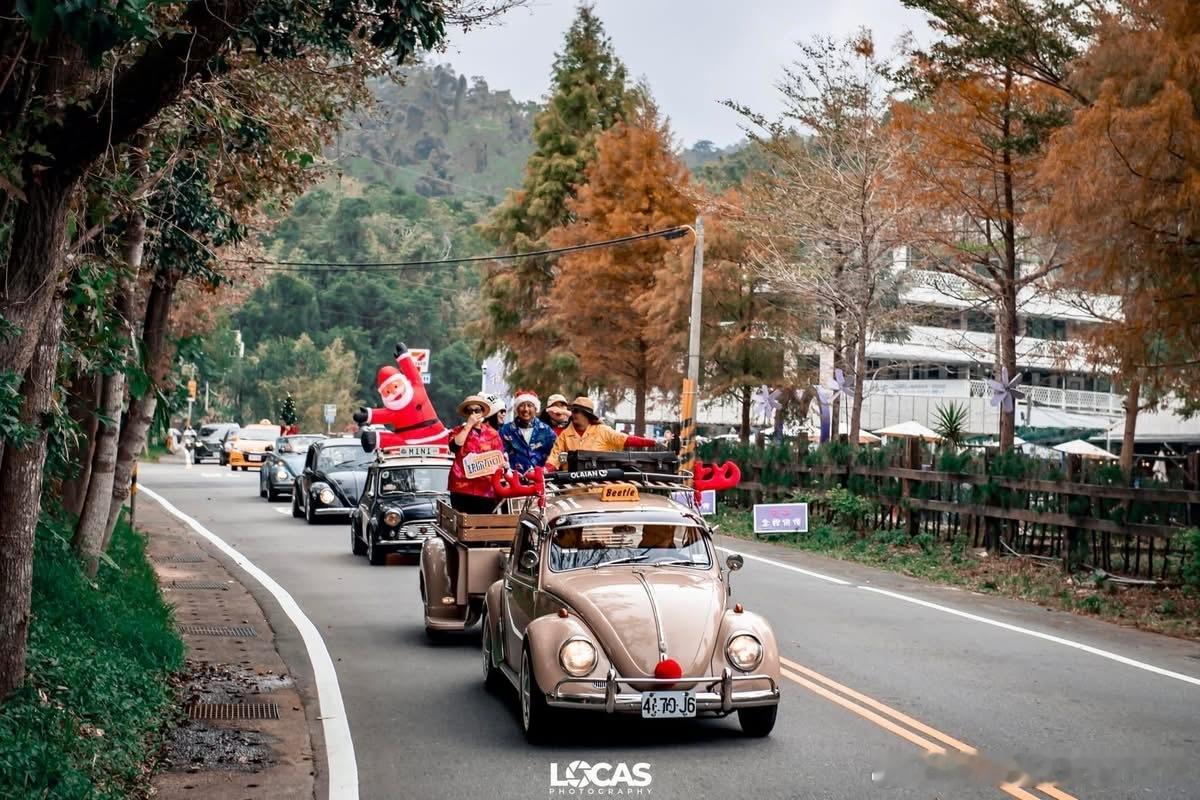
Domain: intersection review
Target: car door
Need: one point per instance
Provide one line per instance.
(520, 590)
(306, 477)
(363, 512)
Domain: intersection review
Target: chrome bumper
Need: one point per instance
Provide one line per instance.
(329, 512)
(713, 693)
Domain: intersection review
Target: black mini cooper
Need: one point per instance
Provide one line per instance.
(396, 510)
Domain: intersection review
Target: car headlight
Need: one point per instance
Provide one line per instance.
(325, 495)
(744, 651)
(577, 657)
(281, 474)
(392, 518)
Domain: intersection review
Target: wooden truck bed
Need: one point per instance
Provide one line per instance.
(476, 528)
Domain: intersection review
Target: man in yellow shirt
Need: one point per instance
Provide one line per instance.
(586, 432)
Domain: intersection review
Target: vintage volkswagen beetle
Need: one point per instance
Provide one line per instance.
(335, 471)
(614, 600)
(282, 464)
(396, 511)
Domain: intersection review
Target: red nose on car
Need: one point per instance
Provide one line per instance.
(668, 668)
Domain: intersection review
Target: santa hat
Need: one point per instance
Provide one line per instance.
(526, 396)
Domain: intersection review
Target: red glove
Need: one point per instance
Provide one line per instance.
(639, 441)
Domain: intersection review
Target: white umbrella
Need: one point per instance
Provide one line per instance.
(1081, 448)
(866, 437)
(909, 430)
(1017, 442)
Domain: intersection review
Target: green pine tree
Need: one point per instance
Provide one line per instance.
(588, 95)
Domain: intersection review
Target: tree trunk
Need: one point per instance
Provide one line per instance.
(93, 520)
(1132, 399)
(860, 366)
(141, 409)
(839, 362)
(20, 496)
(82, 402)
(1007, 302)
(745, 432)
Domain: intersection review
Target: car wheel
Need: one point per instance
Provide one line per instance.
(376, 556)
(536, 719)
(356, 544)
(757, 721)
(245, 468)
(223, 459)
(296, 512)
(309, 516)
(262, 492)
(493, 680)
(232, 468)
(272, 494)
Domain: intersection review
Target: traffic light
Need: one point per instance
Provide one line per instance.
(191, 389)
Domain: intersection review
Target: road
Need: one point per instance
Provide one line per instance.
(893, 689)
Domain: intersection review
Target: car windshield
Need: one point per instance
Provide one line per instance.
(343, 457)
(295, 444)
(258, 434)
(576, 546)
(207, 431)
(398, 480)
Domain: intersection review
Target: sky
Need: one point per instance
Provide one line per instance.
(693, 53)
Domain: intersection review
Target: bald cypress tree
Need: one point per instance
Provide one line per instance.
(588, 95)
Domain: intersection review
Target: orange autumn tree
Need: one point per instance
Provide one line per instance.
(598, 301)
(975, 144)
(1124, 178)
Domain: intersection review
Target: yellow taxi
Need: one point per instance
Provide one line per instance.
(249, 445)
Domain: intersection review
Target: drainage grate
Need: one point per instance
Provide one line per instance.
(218, 630)
(183, 558)
(198, 585)
(231, 711)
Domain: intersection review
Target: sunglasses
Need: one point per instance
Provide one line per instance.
(474, 410)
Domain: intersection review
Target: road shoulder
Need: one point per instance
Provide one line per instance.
(235, 669)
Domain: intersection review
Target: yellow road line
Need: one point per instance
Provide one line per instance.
(790, 670)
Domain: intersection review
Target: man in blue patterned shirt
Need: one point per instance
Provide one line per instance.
(527, 439)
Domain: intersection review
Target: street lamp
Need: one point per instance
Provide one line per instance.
(687, 406)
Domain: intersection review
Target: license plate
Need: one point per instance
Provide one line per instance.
(253, 458)
(658, 705)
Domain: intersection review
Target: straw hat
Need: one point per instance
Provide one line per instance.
(585, 405)
(555, 400)
(475, 400)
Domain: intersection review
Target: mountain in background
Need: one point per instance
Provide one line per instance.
(439, 134)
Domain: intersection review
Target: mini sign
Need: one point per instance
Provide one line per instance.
(417, 451)
(780, 518)
(708, 501)
(619, 492)
(480, 465)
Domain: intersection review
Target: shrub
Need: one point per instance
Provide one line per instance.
(98, 684)
(849, 509)
(1189, 570)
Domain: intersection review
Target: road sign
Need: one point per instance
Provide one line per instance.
(426, 377)
(780, 518)
(330, 413)
(422, 358)
(708, 501)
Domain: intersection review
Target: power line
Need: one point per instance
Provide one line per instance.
(360, 266)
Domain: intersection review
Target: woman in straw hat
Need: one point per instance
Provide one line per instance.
(478, 452)
(586, 432)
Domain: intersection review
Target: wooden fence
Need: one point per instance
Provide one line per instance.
(1080, 514)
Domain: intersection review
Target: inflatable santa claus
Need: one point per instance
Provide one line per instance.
(406, 408)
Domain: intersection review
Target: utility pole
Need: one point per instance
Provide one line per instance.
(687, 428)
(483, 379)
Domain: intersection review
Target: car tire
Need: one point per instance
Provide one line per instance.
(245, 468)
(356, 544)
(537, 720)
(223, 459)
(262, 492)
(272, 494)
(493, 679)
(758, 721)
(309, 516)
(296, 512)
(232, 468)
(375, 555)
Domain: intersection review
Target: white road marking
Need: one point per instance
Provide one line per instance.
(1096, 651)
(282, 510)
(339, 748)
(781, 565)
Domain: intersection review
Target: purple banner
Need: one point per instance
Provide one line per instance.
(708, 501)
(781, 518)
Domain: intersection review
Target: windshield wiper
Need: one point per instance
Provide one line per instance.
(686, 562)
(625, 560)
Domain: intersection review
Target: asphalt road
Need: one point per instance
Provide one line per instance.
(885, 695)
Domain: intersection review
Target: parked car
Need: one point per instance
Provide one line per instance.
(334, 474)
(396, 511)
(614, 601)
(248, 446)
(210, 443)
(282, 465)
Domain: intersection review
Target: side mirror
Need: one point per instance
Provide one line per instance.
(529, 559)
(735, 562)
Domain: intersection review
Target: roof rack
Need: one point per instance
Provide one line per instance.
(562, 482)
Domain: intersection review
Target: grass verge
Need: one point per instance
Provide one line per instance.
(98, 690)
(1173, 611)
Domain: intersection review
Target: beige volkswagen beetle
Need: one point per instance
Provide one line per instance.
(614, 600)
